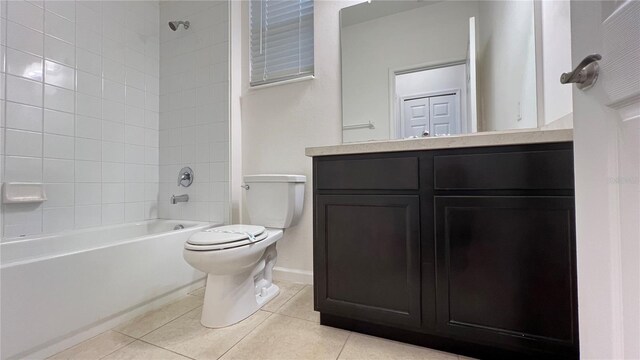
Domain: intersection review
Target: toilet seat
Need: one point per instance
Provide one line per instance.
(226, 237)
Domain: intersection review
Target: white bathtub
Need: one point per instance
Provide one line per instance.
(57, 287)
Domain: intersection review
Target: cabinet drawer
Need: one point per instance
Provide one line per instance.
(368, 174)
(522, 170)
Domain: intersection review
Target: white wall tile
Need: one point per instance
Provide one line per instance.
(113, 131)
(134, 173)
(23, 117)
(88, 127)
(134, 154)
(88, 149)
(88, 39)
(58, 122)
(113, 151)
(58, 171)
(113, 91)
(25, 13)
(113, 111)
(59, 195)
(134, 192)
(66, 9)
(112, 193)
(59, 51)
(59, 75)
(88, 171)
(112, 172)
(88, 83)
(22, 169)
(24, 39)
(23, 64)
(24, 91)
(58, 147)
(97, 79)
(59, 27)
(88, 193)
(23, 143)
(88, 216)
(134, 135)
(112, 214)
(88, 105)
(56, 98)
(57, 219)
(134, 211)
(89, 62)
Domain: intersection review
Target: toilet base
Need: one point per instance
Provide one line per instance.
(229, 299)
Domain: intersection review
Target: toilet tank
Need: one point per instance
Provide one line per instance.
(274, 200)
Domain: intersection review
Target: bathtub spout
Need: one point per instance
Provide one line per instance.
(179, 198)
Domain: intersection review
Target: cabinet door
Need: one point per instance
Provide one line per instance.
(367, 253)
(505, 269)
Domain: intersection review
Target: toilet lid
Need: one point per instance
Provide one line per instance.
(223, 237)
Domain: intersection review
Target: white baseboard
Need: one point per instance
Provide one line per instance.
(293, 275)
(98, 328)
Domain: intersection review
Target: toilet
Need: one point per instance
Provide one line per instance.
(239, 259)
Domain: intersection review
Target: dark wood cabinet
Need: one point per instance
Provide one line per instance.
(504, 269)
(369, 250)
(466, 250)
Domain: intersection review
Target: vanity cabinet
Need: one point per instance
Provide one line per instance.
(466, 250)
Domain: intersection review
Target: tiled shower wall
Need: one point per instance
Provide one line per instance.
(80, 103)
(194, 115)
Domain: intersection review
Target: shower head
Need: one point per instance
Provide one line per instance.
(175, 24)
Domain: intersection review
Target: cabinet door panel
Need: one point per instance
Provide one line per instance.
(368, 251)
(505, 268)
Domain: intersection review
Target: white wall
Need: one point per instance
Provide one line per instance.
(434, 33)
(506, 66)
(81, 111)
(194, 109)
(429, 81)
(556, 59)
(279, 122)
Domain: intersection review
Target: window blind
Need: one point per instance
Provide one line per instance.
(281, 40)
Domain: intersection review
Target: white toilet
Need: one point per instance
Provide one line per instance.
(239, 259)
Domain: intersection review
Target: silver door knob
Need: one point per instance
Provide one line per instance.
(585, 74)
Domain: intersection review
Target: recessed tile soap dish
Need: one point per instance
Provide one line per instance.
(22, 193)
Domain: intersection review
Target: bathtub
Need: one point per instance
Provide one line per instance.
(61, 287)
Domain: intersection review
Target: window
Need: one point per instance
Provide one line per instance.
(281, 40)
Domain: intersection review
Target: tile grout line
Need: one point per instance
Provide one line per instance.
(160, 347)
(288, 300)
(247, 334)
(344, 345)
(121, 347)
(172, 320)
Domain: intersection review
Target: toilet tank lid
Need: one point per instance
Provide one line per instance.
(263, 178)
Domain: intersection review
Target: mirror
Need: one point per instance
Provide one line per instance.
(439, 68)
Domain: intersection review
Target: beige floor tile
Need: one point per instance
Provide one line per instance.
(96, 347)
(198, 292)
(287, 291)
(286, 338)
(143, 351)
(364, 347)
(301, 306)
(187, 336)
(150, 321)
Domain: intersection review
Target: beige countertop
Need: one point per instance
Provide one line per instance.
(492, 138)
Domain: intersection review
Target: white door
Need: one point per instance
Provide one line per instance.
(443, 111)
(416, 117)
(607, 162)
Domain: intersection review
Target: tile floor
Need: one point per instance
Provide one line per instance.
(286, 328)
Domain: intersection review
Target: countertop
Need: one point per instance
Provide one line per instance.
(490, 138)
